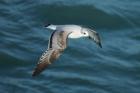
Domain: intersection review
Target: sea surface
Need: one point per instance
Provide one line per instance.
(83, 67)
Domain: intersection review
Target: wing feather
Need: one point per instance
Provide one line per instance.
(45, 60)
(57, 44)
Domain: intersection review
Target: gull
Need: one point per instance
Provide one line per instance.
(58, 43)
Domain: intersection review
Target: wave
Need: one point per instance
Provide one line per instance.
(83, 14)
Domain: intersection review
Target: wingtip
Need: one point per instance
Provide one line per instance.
(37, 71)
(100, 45)
(39, 68)
(34, 74)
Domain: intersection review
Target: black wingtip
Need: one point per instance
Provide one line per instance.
(100, 45)
(35, 73)
(40, 68)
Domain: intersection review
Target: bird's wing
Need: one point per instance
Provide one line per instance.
(95, 36)
(57, 44)
(58, 40)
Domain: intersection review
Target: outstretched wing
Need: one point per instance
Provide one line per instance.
(47, 58)
(57, 44)
(58, 40)
(95, 36)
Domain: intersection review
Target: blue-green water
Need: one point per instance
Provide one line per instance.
(83, 67)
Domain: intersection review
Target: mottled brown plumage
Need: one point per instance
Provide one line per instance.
(56, 46)
(58, 43)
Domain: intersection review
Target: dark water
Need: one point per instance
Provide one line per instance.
(83, 67)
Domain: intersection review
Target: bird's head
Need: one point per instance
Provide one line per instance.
(91, 34)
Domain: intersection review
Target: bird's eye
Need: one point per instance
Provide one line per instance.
(84, 33)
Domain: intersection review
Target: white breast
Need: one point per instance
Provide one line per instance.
(76, 30)
(75, 34)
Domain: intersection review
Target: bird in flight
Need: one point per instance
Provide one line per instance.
(58, 43)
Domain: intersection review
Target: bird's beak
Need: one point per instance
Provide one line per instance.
(95, 37)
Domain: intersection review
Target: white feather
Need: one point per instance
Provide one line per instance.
(76, 30)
